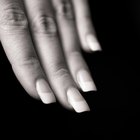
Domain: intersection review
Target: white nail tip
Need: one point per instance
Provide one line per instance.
(77, 101)
(80, 106)
(47, 98)
(44, 92)
(93, 43)
(88, 86)
(85, 81)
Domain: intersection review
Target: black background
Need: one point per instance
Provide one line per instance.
(115, 107)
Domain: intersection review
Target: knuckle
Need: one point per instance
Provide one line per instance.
(44, 25)
(13, 17)
(26, 62)
(59, 70)
(64, 9)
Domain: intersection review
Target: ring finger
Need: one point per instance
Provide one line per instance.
(71, 46)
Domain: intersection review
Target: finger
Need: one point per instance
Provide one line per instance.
(44, 31)
(71, 45)
(18, 46)
(85, 28)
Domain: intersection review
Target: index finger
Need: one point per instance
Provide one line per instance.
(17, 43)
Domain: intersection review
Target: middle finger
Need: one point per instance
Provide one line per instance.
(46, 40)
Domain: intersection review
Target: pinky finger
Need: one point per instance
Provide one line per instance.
(85, 27)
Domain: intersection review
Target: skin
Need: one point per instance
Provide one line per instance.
(43, 41)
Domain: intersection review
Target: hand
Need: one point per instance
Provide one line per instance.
(42, 40)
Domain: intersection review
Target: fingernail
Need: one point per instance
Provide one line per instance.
(77, 101)
(45, 92)
(85, 81)
(93, 43)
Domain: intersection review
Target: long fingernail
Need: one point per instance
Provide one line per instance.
(77, 101)
(45, 92)
(93, 43)
(85, 81)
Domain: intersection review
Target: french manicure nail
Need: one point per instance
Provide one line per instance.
(93, 43)
(45, 92)
(85, 81)
(77, 101)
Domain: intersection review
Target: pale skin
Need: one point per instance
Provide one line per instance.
(43, 40)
